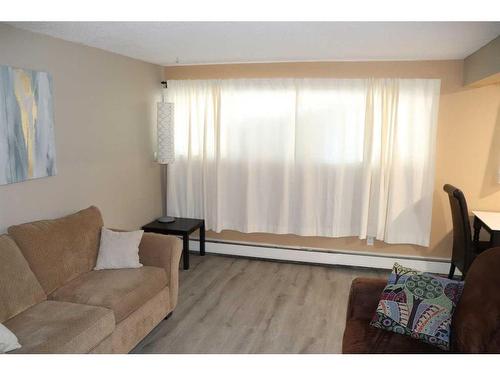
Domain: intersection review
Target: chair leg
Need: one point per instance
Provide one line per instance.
(452, 271)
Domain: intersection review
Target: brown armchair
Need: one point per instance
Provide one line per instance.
(475, 326)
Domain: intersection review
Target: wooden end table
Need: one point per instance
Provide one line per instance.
(180, 227)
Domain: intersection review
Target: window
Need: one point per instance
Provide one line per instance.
(316, 157)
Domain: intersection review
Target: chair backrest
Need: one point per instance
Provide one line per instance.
(462, 254)
(476, 321)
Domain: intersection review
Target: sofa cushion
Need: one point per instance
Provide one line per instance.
(59, 250)
(361, 338)
(61, 327)
(419, 305)
(119, 249)
(19, 288)
(129, 332)
(122, 291)
(8, 341)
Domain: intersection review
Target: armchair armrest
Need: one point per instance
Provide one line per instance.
(364, 297)
(163, 251)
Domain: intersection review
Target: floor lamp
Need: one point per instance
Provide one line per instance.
(166, 152)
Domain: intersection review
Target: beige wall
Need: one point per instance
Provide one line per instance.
(104, 118)
(104, 113)
(468, 142)
(483, 66)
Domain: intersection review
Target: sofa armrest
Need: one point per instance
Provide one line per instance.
(163, 251)
(364, 297)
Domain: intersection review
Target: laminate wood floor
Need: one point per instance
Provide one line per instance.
(238, 305)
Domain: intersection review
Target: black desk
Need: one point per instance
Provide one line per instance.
(180, 227)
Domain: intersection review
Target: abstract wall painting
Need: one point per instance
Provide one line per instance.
(27, 143)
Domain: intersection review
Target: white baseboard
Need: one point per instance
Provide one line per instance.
(343, 258)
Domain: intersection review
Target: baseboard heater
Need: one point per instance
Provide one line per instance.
(324, 257)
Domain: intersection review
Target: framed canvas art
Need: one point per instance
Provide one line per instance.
(27, 143)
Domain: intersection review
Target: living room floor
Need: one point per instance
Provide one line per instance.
(238, 305)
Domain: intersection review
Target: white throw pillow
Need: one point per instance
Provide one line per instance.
(8, 341)
(119, 250)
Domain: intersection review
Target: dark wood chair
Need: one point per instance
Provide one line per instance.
(464, 250)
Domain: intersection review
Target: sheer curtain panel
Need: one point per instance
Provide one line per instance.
(313, 157)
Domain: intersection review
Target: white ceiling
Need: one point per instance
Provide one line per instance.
(168, 43)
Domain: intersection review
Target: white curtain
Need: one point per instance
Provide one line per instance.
(313, 157)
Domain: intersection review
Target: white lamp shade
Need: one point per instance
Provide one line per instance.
(165, 123)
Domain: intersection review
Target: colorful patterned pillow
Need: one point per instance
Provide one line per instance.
(419, 305)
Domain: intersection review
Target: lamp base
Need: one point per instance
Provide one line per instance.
(166, 219)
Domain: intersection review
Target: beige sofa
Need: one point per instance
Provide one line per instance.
(54, 302)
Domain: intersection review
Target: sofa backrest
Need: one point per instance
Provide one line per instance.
(59, 250)
(476, 322)
(19, 288)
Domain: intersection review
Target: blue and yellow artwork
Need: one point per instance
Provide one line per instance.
(27, 144)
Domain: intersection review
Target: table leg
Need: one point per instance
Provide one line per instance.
(185, 251)
(477, 229)
(202, 239)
